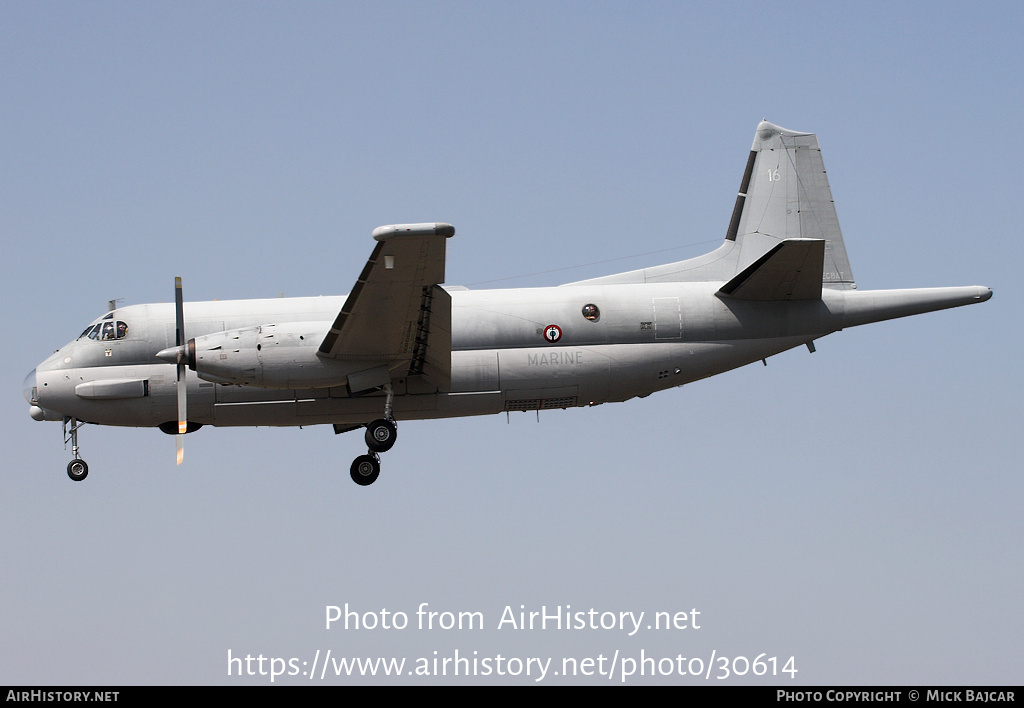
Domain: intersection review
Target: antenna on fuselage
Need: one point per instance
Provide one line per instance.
(112, 304)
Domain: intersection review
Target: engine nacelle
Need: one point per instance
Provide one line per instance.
(269, 356)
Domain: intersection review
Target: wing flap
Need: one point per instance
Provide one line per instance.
(432, 355)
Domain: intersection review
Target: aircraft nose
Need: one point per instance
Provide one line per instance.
(28, 388)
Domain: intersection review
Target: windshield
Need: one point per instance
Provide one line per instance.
(106, 331)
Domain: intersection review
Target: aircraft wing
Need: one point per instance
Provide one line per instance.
(396, 315)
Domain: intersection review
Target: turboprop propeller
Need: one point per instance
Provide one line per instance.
(177, 355)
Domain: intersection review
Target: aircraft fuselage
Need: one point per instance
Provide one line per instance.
(644, 338)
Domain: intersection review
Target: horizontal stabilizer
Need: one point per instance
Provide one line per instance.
(792, 270)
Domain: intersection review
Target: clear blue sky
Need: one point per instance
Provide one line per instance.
(858, 508)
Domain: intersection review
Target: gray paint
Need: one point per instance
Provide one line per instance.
(306, 360)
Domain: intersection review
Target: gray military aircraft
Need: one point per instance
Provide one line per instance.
(401, 347)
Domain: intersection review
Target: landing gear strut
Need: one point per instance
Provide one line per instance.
(381, 435)
(77, 469)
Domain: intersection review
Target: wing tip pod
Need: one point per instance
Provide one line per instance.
(383, 233)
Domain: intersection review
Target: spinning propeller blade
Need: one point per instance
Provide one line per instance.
(179, 337)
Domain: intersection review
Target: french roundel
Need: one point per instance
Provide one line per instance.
(552, 333)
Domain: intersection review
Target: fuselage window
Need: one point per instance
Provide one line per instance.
(591, 312)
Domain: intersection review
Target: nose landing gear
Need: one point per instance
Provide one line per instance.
(77, 469)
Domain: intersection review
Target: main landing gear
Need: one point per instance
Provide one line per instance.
(77, 469)
(365, 469)
(381, 435)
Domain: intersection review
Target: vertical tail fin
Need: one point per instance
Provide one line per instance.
(785, 194)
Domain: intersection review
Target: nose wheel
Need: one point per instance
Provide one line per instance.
(77, 469)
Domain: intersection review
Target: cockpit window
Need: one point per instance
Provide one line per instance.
(106, 331)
